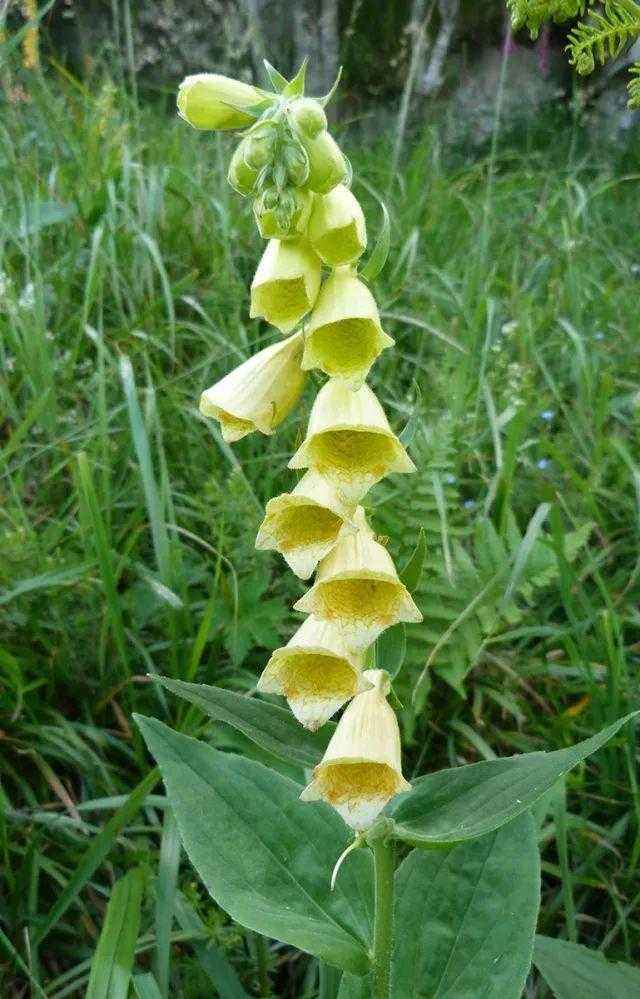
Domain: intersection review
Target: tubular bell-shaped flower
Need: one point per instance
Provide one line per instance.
(212, 101)
(358, 588)
(286, 283)
(344, 335)
(258, 394)
(315, 672)
(327, 165)
(303, 525)
(361, 769)
(349, 440)
(337, 229)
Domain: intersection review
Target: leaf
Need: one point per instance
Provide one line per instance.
(270, 727)
(460, 804)
(524, 551)
(572, 970)
(391, 649)
(411, 574)
(295, 87)
(57, 577)
(146, 987)
(277, 80)
(355, 987)
(166, 881)
(380, 252)
(40, 215)
(472, 912)
(113, 959)
(96, 853)
(265, 857)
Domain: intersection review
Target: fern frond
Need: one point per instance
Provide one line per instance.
(634, 88)
(605, 35)
(532, 13)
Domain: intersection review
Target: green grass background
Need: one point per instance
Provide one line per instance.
(127, 525)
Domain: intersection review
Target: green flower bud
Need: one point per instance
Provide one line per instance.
(259, 149)
(327, 165)
(241, 176)
(308, 116)
(296, 162)
(211, 101)
(297, 208)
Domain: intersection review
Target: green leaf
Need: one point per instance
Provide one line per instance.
(277, 80)
(391, 649)
(411, 574)
(146, 987)
(96, 853)
(355, 987)
(472, 914)
(165, 899)
(113, 959)
(380, 252)
(572, 970)
(270, 727)
(460, 804)
(265, 857)
(295, 88)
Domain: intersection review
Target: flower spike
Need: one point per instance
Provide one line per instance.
(358, 588)
(361, 769)
(315, 672)
(258, 394)
(349, 440)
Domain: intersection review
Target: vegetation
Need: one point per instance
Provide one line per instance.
(128, 523)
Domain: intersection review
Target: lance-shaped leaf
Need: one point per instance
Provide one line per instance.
(460, 804)
(270, 727)
(113, 958)
(265, 858)
(472, 914)
(571, 970)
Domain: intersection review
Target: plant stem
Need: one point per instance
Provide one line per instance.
(262, 956)
(384, 860)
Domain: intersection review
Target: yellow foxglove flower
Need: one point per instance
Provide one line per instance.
(315, 672)
(258, 394)
(327, 165)
(349, 440)
(344, 335)
(303, 525)
(337, 229)
(286, 283)
(267, 218)
(358, 588)
(208, 100)
(361, 769)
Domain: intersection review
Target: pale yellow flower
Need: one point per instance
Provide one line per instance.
(358, 588)
(327, 165)
(349, 440)
(211, 101)
(315, 672)
(303, 525)
(337, 229)
(362, 769)
(344, 336)
(258, 394)
(286, 283)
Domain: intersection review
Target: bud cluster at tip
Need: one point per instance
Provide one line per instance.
(307, 286)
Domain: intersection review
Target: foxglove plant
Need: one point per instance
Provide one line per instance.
(265, 856)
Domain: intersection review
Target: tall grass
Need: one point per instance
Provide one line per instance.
(127, 523)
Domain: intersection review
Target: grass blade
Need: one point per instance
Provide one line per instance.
(113, 959)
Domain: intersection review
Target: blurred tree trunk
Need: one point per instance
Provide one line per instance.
(434, 75)
(315, 33)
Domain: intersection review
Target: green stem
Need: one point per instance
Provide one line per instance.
(384, 861)
(262, 955)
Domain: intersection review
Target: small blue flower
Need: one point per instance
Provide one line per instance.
(547, 414)
(450, 479)
(469, 504)
(598, 336)
(543, 463)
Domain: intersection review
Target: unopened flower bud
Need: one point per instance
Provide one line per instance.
(258, 394)
(303, 525)
(344, 335)
(240, 175)
(296, 163)
(337, 228)
(258, 148)
(211, 101)
(362, 769)
(315, 672)
(286, 283)
(308, 116)
(298, 207)
(349, 440)
(327, 165)
(358, 588)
